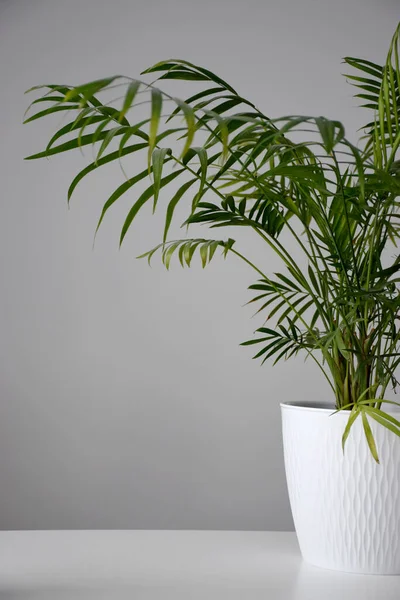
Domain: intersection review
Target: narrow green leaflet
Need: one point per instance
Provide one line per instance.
(158, 158)
(173, 203)
(110, 135)
(71, 145)
(156, 106)
(102, 161)
(130, 95)
(188, 70)
(332, 132)
(353, 416)
(88, 90)
(70, 127)
(190, 123)
(147, 194)
(385, 419)
(46, 98)
(187, 249)
(369, 436)
(49, 111)
(203, 158)
(124, 187)
(199, 96)
(364, 65)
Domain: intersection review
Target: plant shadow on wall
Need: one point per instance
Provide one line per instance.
(299, 174)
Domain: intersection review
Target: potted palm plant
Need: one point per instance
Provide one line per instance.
(335, 299)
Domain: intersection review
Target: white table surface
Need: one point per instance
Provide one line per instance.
(136, 565)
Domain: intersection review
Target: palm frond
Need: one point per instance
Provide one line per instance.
(296, 176)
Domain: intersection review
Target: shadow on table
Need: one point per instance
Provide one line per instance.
(305, 583)
(312, 583)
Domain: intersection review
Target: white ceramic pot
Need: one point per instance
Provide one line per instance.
(346, 507)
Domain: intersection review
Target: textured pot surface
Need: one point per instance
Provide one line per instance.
(346, 507)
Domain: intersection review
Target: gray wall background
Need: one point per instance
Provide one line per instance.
(126, 401)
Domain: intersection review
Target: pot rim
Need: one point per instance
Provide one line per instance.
(325, 408)
(320, 407)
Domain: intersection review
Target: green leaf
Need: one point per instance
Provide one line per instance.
(131, 92)
(97, 133)
(172, 205)
(202, 154)
(203, 94)
(110, 134)
(190, 124)
(46, 98)
(72, 144)
(291, 285)
(371, 85)
(113, 113)
(62, 89)
(156, 106)
(203, 254)
(221, 133)
(148, 193)
(124, 187)
(369, 436)
(49, 111)
(167, 254)
(66, 129)
(158, 159)
(212, 248)
(256, 341)
(295, 308)
(276, 348)
(98, 163)
(385, 419)
(364, 65)
(353, 416)
(134, 130)
(190, 249)
(360, 169)
(328, 132)
(186, 75)
(313, 279)
(87, 90)
(341, 345)
(208, 74)
(228, 246)
(190, 70)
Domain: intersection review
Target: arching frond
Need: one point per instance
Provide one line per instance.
(227, 164)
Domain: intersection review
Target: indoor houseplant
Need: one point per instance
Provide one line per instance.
(338, 303)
